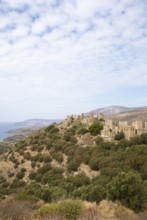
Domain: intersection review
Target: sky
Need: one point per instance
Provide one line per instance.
(59, 57)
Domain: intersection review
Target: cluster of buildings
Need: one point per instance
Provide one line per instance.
(110, 128)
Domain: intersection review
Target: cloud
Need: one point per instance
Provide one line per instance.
(87, 9)
(64, 56)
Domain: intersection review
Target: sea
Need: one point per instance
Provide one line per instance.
(5, 127)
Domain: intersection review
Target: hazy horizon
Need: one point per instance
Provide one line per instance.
(59, 57)
(27, 119)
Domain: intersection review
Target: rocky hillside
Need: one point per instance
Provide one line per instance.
(63, 162)
(113, 110)
(36, 123)
(130, 116)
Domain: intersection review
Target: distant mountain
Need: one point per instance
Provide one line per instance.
(37, 122)
(110, 110)
(130, 116)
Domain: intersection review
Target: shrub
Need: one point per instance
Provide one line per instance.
(23, 195)
(33, 148)
(58, 145)
(22, 161)
(38, 177)
(48, 144)
(40, 148)
(68, 136)
(72, 129)
(128, 189)
(13, 159)
(17, 184)
(48, 209)
(21, 151)
(58, 193)
(2, 179)
(53, 178)
(50, 127)
(46, 167)
(72, 166)
(45, 194)
(32, 175)
(58, 156)
(119, 136)
(47, 159)
(23, 170)
(15, 166)
(94, 163)
(79, 180)
(73, 139)
(97, 192)
(33, 164)
(86, 158)
(82, 130)
(144, 171)
(27, 156)
(99, 140)
(10, 174)
(110, 171)
(95, 128)
(123, 143)
(70, 209)
(20, 175)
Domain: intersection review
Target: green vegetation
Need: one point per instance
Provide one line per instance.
(119, 136)
(95, 128)
(55, 160)
(70, 209)
(4, 147)
(48, 209)
(127, 187)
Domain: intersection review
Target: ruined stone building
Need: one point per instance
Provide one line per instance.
(110, 129)
(146, 125)
(122, 124)
(138, 124)
(129, 131)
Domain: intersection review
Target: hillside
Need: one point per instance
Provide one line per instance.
(37, 122)
(13, 132)
(71, 161)
(130, 116)
(121, 113)
(111, 110)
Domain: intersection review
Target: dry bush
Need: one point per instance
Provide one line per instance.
(52, 217)
(90, 214)
(14, 210)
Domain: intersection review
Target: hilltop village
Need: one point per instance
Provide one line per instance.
(75, 161)
(110, 128)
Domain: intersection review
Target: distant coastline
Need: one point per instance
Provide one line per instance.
(25, 127)
(5, 128)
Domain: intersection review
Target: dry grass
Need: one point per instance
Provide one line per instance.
(53, 217)
(16, 210)
(90, 214)
(22, 210)
(88, 171)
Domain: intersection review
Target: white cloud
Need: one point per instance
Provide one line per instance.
(59, 57)
(89, 7)
(48, 21)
